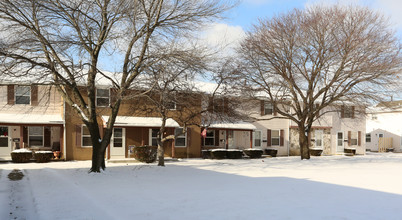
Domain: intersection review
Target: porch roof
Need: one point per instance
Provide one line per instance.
(131, 121)
(235, 126)
(28, 118)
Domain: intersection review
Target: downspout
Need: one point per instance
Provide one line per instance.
(64, 131)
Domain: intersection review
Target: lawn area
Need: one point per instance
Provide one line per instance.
(335, 187)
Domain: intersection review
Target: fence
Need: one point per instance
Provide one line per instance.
(384, 143)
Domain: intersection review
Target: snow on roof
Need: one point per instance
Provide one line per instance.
(30, 119)
(236, 125)
(130, 121)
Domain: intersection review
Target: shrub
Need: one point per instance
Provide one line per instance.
(271, 152)
(206, 154)
(21, 156)
(253, 153)
(145, 154)
(218, 154)
(234, 154)
(315, 152)
(43, 156)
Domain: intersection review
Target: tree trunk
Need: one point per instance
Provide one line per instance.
(161, 155)
(98, 158)
(303, 143)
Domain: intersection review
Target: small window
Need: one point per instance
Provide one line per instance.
(318, 138)
(23, 95)
(35, 136)
(210, 138)
(275, 137)
(86, 137)
(368, 137)
(268, 108)
(353, 138)
(348, 111)
(102, 97)
(340, 139)
(117, 137)
(171, 105)
(257, 138)
(153, 137)
(180, 140)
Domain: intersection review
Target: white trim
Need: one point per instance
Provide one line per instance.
(29, 135)
(150, 137)
(82, 137)
(319, 135)
(279, 138)
(180, 136)
(236, 126)
(23, 95)
(213, 137)
(130, 121)
(339, 147)
(102, 97)
(254, 135)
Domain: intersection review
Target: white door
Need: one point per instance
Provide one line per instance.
(118, 143)
(231, 141)
(339, 142)
(5, 142)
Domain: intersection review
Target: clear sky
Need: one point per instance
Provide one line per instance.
(240, 19)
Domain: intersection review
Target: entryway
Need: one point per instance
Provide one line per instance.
(118, 143)
(5, 142)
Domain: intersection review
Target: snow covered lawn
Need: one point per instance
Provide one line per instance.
(337, 187)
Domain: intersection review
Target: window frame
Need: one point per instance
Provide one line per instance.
(354, 136)
(270, 109)
(42, 136)
(23, 95)
(152, 137)
(368, 137)
(254, 138)
(85, 136)
(181, 136)
(348, 111)
(210, 137)
(102, 97)
(319, 136)
(121, 137)
(278, 137)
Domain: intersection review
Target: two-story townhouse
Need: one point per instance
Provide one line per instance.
(384, 129)
(31, 116)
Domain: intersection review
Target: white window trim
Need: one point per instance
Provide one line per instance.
(15, 95)
(181, 136)
(175, 106)
(150, 136)
(43, 137)
(123, 132)
(254, 132)
(82, 137)
(96, 97)
(356, 134)
(213, 132)
(272, 108)
(279, 138)
(342, 140)
(370, 138)
(317, 137)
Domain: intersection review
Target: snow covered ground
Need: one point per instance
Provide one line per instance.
(336, 187)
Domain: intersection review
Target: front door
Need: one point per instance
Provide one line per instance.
(5, 142)
(339, 142)
(118, 143)
(230, 139)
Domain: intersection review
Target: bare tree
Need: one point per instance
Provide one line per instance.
(307, 60)
(64, 42)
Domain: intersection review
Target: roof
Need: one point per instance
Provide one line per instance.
(30, 119)
(130, 121)
(236, 126)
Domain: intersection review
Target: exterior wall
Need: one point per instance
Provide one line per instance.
(387, 123)
(294, 142)
(49, 102)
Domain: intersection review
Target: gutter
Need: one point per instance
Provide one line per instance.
(64, 131)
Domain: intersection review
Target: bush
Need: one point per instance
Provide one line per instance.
(145, 154)
(206, 154)
(218, 154)
(253, 153)
(234, 154)
(21, 156)
(43, 156)
(315, 152)
(271, 152)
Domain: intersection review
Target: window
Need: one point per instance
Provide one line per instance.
(180, 140)
(102, 97)
(86, 137)
(368, 137)
(257, 138)
(340, 139)
(374, 117)
(117, 137)
(210, 138)
(153, 134)
(219, 105)
(353, 138)
(3, 136)
(23, 95)
(348, 111)
(275, 137)
(35, 136)
(171, 105)
(318, 138)
(268, 108)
